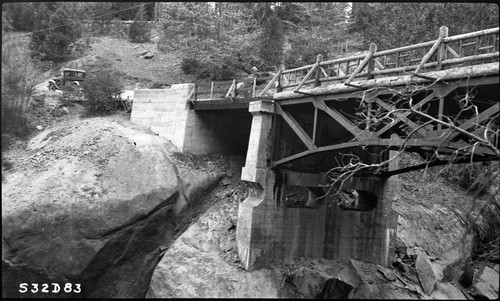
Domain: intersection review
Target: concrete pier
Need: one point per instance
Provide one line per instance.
(268, 233)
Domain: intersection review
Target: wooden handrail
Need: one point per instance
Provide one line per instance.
(404, 48)
(471, 35)
(308, 75)
(442, 46)
(270, 83)
(433, 49)
(363, 64)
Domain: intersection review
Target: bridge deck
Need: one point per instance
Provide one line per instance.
(228, 103)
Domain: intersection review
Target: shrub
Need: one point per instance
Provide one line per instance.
(139, 32)
(19, 78)
(305, 46)
(100, 90)
(190, 65)
(53, 34)
(14, 121)
(466, 174)
(216, 66)
(486, 232)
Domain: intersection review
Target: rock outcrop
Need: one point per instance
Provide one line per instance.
(92, 204)
(198, 265)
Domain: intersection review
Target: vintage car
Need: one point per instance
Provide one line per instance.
(68, 79)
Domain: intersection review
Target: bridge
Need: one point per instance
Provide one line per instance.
(337, 124)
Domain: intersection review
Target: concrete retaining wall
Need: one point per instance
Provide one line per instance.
(167, 113)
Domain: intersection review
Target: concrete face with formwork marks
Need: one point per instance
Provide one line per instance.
(168, 113)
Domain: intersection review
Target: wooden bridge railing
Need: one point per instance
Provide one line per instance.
(479, 46)
(470, 48)
(247, 87)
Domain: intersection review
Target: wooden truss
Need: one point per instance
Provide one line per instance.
(422, 136)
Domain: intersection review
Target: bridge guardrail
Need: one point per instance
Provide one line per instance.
(247, 87)
(479, 46)
(439, 54)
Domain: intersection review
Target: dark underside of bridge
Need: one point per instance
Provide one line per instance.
(228, 122)
(228, 129)
(313, 139)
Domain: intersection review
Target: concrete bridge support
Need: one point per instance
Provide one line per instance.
(367, 235)
(268, 233)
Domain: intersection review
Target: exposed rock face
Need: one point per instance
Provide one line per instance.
(94, 208)
(427, 273)
(446, 290)
(195, 265)
(490, 276)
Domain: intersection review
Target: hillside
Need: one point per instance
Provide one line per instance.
(198, 252)
(124, 57)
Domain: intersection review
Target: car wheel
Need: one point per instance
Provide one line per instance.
(52, 87)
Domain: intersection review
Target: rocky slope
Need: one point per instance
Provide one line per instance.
(432, 249)
(93, 201)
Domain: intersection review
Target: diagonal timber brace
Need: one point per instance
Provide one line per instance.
(296, 127)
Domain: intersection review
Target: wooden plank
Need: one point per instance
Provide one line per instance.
(296, 127)
(222, 104)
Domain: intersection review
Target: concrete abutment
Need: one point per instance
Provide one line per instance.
(167, 113)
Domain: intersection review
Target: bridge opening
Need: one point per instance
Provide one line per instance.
(356, 200)
(227, 132)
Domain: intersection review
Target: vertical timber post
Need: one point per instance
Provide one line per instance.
(443, 33)
(319, 59)
(278, 82)
(371, 63)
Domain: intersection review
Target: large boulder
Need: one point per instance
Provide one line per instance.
(93, 203)
(202, 262)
